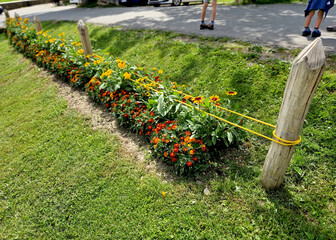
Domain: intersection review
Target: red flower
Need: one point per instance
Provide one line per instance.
(174, 159)
(149, 127)
(195, 159)
(176, 145)
(175, 150)
(189, 164)
(125, 115)
(172, 155)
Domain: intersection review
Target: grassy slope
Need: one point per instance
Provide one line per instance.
(60, 179)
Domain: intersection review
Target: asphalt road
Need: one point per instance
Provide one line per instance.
(276, 25)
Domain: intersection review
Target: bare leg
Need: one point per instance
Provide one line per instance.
(319, 18)
(205, 5)
(214, 6)
(309, 18)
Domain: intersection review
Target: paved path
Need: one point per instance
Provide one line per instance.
(278, 24)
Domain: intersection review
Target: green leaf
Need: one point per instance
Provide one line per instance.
(214, 140)
(177, 107)
(160, 106)
(230, 137)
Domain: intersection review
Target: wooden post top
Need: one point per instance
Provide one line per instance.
(313, 55)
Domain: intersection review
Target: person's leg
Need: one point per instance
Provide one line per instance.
(205, 5)
(214, 7)
(319, 18)
(316, 32)
(306, 32)
(309, 18)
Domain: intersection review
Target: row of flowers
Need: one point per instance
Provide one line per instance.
(177, 125)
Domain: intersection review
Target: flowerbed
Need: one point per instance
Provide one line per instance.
(178, 126)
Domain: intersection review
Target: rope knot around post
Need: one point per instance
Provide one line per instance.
(287, 142)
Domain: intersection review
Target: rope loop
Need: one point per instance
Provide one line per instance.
(287, 142)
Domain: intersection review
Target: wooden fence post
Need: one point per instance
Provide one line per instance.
(84, 37)
(17, 17)
(7, 14)
(38, 25)
(306, 73)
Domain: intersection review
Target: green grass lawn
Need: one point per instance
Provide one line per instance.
(59, 179)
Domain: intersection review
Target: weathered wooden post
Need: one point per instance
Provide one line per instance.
(84, 37)
(306, 73)
(6, 14)
(17, 17)
(38, 25)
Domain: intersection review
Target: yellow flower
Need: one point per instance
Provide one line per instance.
(39, 33)
(106, 73)
(73, 43)
(163, 193)
(26, 20)
(62, 44)
(154, 69)
(214, 98)
(127, 75)
(231, 93)
(160, 71)
(86, 64)
(147, 94)
(198, 100)
(61, 34)
(80, 51)
(122, 64)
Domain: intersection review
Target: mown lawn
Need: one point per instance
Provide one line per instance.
(60, 179)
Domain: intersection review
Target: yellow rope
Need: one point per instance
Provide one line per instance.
(281, 141)
(225, 109)
(287, 142)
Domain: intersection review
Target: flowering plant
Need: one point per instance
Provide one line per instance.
(183, 130)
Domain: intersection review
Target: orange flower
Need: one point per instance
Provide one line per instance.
(174, 126)
(192, 151)
(165, 154)
(157, 140)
